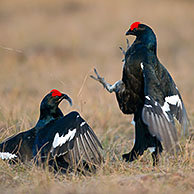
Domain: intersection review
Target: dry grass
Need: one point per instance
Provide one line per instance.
(60, 43)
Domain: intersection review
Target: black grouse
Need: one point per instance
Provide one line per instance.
(148, 91)
(63, 141)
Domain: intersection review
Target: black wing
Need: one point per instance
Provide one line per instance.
(162, 104)
(18, 146)
(73, 138)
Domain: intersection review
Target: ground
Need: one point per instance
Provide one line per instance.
(47, 44)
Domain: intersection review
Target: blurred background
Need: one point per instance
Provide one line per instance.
(56, 44)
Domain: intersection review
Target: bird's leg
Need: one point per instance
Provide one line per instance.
(140, 143)
(131, 156)
(155, 157)
(119, 85)
(157, 153)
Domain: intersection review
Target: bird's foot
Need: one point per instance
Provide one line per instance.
(129, 157)
(155, 157)
(98, 78)
(102, 81)
(118, 86)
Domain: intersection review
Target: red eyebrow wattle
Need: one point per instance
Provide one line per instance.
(134, 25)
(55, 92)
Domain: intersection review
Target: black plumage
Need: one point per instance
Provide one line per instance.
(21, 144)
(148, 91)
(69, 141)
(63, 141)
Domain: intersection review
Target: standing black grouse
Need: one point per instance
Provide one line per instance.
(62, 140)
(148, 91)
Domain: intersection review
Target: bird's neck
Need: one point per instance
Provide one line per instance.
(148, 40)
(46, 116)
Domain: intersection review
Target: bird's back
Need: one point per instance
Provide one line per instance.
(46, 134)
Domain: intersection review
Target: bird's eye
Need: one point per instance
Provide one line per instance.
(135, 29)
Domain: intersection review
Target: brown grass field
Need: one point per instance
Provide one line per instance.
(56, 44)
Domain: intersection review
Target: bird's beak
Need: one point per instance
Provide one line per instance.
(66, 97)
(129, 32)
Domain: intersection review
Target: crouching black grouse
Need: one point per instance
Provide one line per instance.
(63, 141)
(148, 91)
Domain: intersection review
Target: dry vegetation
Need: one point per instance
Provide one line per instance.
(60, 42)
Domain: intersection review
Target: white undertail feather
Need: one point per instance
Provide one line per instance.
(152, 149)
(7, 155)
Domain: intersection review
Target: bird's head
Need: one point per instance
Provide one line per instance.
(144, 34)
(49, 109)
(138, 29)
(54, 97)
